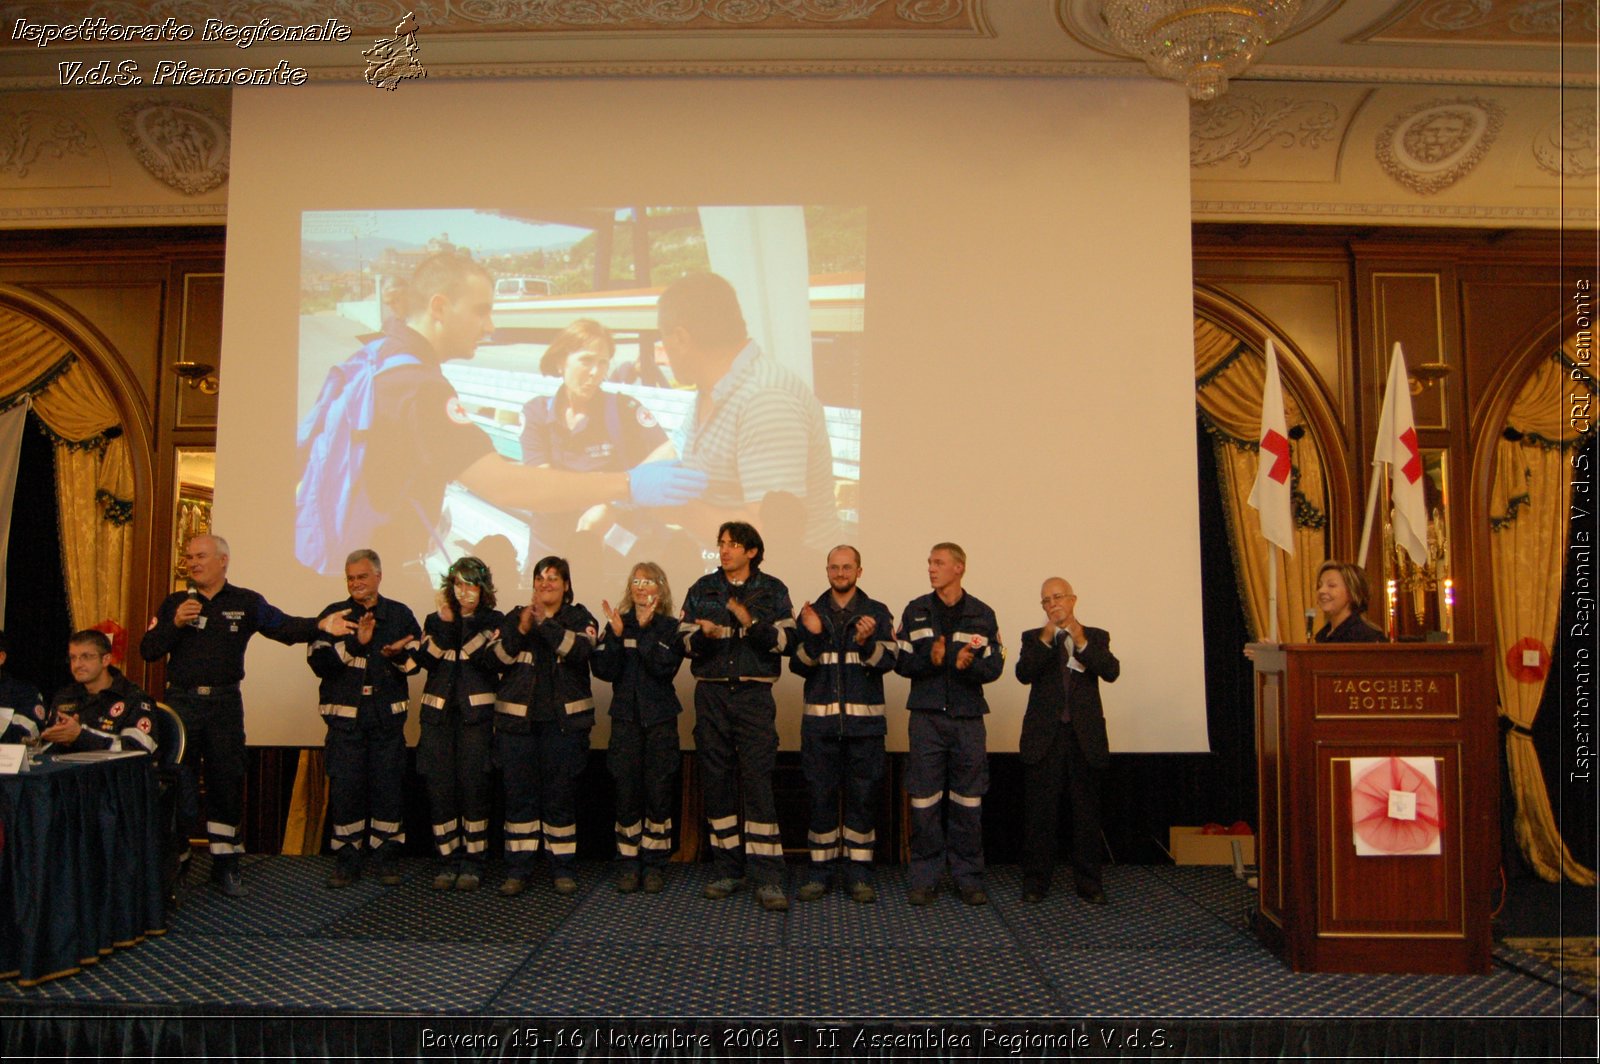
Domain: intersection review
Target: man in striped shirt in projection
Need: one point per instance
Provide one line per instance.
(758, 431)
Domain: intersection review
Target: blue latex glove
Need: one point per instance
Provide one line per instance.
(665, 483)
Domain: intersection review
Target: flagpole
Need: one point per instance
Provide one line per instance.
(1272, 592)
(1394, 378)
(1366, 526)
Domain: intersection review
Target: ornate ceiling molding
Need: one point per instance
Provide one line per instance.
(1486, 22)
(1567, 146)
(1429, 147)
(187, 212)
(183, 145)
(1279, 210)
(1236, 126)
(27, 136)
(1510, 79)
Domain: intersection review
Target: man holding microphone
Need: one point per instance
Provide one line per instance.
(203, 633)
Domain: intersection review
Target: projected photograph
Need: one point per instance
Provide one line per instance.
(608, 385)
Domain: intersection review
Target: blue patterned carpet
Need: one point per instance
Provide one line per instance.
(1173, 942)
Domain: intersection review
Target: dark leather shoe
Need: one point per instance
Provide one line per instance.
(627, 883)
(340, 879)
(232, 884)
(1033, 897)
(772, 898)
(718, 889)
(566, 885)
(389, 877)
(511, 886)
(920, 896)
(653, 882)
(863, 893)
(974, 896)
(811, 891)
(1092, 895)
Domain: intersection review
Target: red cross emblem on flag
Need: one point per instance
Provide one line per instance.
(1413, 467)
(1276, 445)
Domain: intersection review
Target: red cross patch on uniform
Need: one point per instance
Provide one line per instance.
(117, 709)
(144, 725)
(644, 417)
(456, 410)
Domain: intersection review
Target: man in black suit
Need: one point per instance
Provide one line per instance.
(1063, 740)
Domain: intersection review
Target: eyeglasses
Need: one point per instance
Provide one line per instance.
(642, 581)
(1051, 600)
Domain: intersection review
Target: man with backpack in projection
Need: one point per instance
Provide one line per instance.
(388, 433)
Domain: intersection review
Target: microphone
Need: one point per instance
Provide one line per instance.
(1311, 624)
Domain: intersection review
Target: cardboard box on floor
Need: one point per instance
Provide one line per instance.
(1190, 847)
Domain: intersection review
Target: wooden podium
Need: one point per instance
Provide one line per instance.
(1390, 893)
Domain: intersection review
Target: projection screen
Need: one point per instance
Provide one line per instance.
(985, 285)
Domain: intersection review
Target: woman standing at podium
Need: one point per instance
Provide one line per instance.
(1342, 596)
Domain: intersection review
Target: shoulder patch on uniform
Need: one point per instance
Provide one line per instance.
(143, 724)
(117, 709)
(643, 415)
(456, 410)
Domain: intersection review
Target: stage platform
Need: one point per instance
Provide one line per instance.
(1167, 968)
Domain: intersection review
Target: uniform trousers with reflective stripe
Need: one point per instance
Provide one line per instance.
(540, 770)
(456, 759)
(644, 763)
(851, 766)
(737, 743)
(1062, 767)
(947, 774)
(214, 745)
(366, 771)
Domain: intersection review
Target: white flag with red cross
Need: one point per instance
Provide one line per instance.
(1270, 496)
(1397, 446)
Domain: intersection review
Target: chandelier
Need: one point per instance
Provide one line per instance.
(1200, 44)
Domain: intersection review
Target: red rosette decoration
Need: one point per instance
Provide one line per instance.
(1518, 668)
(119, 639)
(1370, 808)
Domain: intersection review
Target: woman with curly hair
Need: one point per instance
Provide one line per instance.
(454, 753)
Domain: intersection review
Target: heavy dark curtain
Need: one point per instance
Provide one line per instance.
(36, 622)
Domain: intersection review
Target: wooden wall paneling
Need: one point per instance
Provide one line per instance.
(1500, 309)
(1301, 282)
(1409, 307)
(1324, 422)
(193, 309)
(199, 340)
(124, 305)
(1502, 382)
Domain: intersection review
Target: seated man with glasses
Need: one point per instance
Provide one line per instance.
(102, 709)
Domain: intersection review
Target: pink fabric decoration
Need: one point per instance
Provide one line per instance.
(1369, 801)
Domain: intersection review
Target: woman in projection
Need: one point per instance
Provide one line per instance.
(1342, 597)
(542, 720)
(586, 429)
(639, 654)
(453, 754)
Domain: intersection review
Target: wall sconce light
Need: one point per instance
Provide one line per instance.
(1424, 376)
(200, 376)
